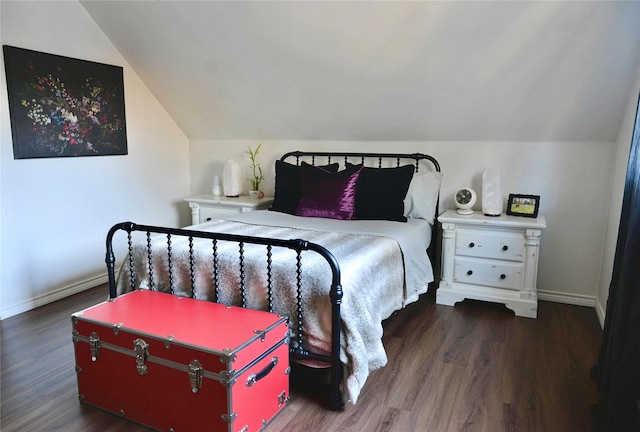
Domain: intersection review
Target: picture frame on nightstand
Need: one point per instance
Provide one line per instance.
(523, 205)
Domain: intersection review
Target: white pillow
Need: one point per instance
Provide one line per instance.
(422, 196)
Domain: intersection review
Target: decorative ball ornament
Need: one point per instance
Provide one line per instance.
(465, 198)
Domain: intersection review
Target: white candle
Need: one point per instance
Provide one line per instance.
(217, 188)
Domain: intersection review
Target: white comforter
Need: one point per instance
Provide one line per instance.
(413, 237)
(370, 254)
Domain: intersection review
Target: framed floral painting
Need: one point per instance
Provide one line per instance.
(61, 107)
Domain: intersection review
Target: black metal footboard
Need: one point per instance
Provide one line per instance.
(297, 350)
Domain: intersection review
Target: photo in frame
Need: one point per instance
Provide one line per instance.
(64, 107)
(523, 205)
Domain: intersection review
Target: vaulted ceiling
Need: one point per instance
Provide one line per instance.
(399, 71)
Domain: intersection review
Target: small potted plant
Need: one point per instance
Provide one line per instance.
(257, 175)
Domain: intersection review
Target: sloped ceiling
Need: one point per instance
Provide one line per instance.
(399, 71)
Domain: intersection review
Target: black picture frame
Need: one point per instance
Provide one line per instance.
(523, 205)
(63, 107)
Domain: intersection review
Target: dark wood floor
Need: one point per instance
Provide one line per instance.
(473, 367)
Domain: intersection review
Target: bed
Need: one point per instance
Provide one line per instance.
(350, 239)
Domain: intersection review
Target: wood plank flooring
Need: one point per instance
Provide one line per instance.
(473, 367)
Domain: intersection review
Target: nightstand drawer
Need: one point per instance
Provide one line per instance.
(207, 207)
(501, 274)
(487, 244)
(209, 213)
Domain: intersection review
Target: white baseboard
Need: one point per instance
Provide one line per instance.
(601, 311)
(54, 295)
(574, 299)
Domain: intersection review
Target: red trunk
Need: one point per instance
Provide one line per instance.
(181, 364)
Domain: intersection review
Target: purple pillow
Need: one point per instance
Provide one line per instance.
(326, 194)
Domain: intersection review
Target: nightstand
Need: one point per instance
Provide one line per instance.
(206, 207)
(492, 259)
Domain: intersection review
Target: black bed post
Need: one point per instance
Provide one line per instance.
(336, 402)
(110, 258)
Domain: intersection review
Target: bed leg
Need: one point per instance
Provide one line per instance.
(336, 401)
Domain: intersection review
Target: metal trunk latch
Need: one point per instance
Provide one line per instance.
(195, 375)
(142, 352)
(94, 346)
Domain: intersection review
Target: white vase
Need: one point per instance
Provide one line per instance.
(216, 189)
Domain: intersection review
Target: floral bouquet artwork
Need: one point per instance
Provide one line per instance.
(62, 107)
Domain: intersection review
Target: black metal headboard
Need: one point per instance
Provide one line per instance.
(364, 157)
(376, 159)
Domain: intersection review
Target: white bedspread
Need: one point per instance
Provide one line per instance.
(370, 255)
(413, 236)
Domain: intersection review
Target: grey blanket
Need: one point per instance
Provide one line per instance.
(372, 274)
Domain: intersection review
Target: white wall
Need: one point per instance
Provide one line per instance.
(573, 180)
(618, 174)
(55, 213)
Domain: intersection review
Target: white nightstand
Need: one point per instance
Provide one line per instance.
(492, 259)
(206, 207)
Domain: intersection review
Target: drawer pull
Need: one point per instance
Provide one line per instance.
(505, 248)
(469, 272)
(503, 276)
(472, 244)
